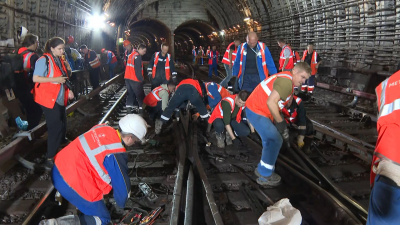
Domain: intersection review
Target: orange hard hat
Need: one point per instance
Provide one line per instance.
(126, 43)
(103, 49)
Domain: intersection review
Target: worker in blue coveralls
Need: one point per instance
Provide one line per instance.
(111, 61)
(213, 61)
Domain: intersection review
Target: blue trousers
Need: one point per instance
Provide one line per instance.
(194, 59)
(308, 85)
(90, 210)
(228, 77)
(239, 129)
(111, 70)
(212, 67)
(271, 141)
(250, 82)
(202, 61)
(384, 204)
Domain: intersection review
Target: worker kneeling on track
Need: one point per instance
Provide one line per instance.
(263, 107)
(93, 164)
(295, 114)
(156, 102)
(228, 115)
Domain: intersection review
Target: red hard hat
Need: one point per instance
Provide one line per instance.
(126, 43)
(71, 39)
(103, 49)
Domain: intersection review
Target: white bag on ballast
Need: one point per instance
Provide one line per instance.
(281, 213)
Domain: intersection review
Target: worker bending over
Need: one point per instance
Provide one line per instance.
(161, 67)
(92, 63)
(295, 113)
(228, 115)
(93, 164)
(134, 79)
(263, 108)
(111, 61)
(213, 61)
(215, 93)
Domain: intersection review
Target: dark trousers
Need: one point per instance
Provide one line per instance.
(250, 82)
(212, 67)
(111, 70)
(155, 82)
(33, 110)
(155, 112)
(135, 93)
(56, 120)
(184, 93)
(309, 127)
(94, 77)
(240, 129)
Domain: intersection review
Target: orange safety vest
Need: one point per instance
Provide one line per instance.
(313, 61)
(257, 101)
(113, 58)
(208, 51)
(45, 94)
(296, 57)
(130, 67)
(220, 113)
(210, 60)
(153, 98)
(81, 162)
(225, 60)
(27, 58)
(282, 59)
(264, 64)
(192, 82)
(222, 91)
(388, 99)
(95, 63)
(291, 117)
(167, 69)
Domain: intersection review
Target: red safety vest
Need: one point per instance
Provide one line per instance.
(219, 113)
(126, 55)
(313, 61)
(27, 58)
(130, 67)
(95, 63)
(113, 59)
(167, 69)
(208, 51)
(222, 91)
(282, 59)
(153, 98)
(81, 162)
(194, 52)
(264, 64)
(291, 117)
(257, 101)
(192, 82)
(210, 60)
(225, 60)
(296, 57)
(388, 125)
(45, 94)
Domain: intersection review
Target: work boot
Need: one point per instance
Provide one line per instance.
(307, 145)
(228, 139)
(49, 163)
(220, 140)
(129, 110)
(158, 125)
(273, 180)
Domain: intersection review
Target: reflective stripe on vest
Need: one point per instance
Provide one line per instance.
(167, 68)
(264, 64)
(212, 83)
(130, 72)
(211, 55)
(313, 61)
(264, 85)
(282, 59)
(231, 100)
(225, 60)
(27, 61)
(155, 93)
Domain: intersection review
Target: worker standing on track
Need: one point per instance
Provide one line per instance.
(313, 59)
(201, 54)
(208, 50)
(263, 108)
(228, 115)
(295, 113)
(128, 50)
(286, 62)
(384, 207)
(194, 54)
(228, 60)
(49, 76)
(161, 67)
(252, 65)
(213, 62)
(111, 61)
(92, 62)
(215, 93)
(134, 79)
(296, 56)
(93, 164)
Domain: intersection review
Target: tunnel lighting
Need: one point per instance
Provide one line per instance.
(120, 40)
(96, 22)
(222, 32)
(247, 19)
(255, 22)
(106, 14)
(238, 26)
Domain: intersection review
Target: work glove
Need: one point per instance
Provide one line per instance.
(236, 142)
(254, 136)
(284, 131)
(300, 141)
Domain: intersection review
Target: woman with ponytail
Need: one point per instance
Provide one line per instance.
(51, 93)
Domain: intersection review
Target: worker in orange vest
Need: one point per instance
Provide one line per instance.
(263, 108)
(92, 165)
(215, 93)
(213, 61)
(296, 56)
(208, 50)
(201, 54)
(161, 67)
(229, 60)
(134, 79)
(286, 62)
(128, 50)
(313, 59)
(92, 63)
(111, 61)
(228, 116)
(194, 54)
(384, 207)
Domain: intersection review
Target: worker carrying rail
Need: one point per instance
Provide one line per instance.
(161, 67)
(384, 205)
(263, 108)
(92, 165)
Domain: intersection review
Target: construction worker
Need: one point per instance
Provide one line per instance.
(128, 50)
(213, 61)
(384, 206)
(134, 79)
(92, 63)
(201, 54)
(208, 50)
(263, 108)
(286, 62)
(228, 115)
(215, 93)
(295, 113)
(296, 56)
(228, 60)
(194, 54)
(313, 59)
(24, 83)
(252, 65)
(161, 68)
(111, 61)
(92, 165)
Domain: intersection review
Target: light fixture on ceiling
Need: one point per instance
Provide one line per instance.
(247, 19)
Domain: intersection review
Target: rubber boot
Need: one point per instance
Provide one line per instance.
(228, 139)
(158, 125)
(307, 144)
(220, 140)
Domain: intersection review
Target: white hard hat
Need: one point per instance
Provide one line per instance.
(134, 124)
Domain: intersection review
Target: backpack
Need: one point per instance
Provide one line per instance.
(12, 64)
